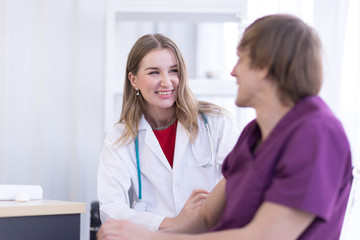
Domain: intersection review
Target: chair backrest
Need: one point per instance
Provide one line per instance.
(95, 221)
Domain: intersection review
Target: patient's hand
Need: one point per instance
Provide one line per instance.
(190, 210)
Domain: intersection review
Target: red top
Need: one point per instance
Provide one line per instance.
(166, 138)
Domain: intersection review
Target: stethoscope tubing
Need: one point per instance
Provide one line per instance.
(209, 164)
(138, 165)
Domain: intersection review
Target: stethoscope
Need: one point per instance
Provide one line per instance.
(141, 206)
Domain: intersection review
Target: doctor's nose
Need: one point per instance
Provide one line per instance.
(165, 80)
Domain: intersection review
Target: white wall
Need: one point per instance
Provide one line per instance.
(51, 96)
(52, 73)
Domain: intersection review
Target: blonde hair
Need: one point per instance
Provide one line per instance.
(187, 107)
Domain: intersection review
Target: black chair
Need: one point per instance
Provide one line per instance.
(95, 221)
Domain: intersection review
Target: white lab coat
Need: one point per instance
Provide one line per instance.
(164, 189)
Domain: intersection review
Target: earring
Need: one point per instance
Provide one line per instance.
(137, 92)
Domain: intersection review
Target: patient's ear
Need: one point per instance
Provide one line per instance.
(264, 72)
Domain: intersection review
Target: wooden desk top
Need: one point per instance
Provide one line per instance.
(40, 207)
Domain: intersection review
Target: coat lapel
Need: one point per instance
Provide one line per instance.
(151, 143)
(181, 143)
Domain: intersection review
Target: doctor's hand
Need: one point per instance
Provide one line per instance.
(121, 230)
(195, 201)
(190, 210)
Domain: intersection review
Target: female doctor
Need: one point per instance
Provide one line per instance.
(167, 146)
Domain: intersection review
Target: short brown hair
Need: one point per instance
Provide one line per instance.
(290, 49)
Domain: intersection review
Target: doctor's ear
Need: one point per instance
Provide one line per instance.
(133, 80)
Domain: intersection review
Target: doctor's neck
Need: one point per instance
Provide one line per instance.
(160, 119)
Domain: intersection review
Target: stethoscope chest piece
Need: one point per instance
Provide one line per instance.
(139, 206)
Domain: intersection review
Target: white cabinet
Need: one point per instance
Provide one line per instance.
(206, 31)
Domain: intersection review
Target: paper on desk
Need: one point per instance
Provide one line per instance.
(9, 192)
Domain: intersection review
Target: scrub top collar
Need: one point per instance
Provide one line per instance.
(306, 106)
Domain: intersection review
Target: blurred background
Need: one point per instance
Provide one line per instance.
(62, 68)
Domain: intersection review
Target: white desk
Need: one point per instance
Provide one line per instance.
(40, 219)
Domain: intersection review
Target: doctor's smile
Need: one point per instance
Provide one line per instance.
(164, 92)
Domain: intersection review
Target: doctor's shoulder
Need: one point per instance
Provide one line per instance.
(218, 116)
(115, 136)
(213, 111)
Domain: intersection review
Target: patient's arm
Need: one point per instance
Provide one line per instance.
(271, 222)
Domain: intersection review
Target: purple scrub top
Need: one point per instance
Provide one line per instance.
(305, 163)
